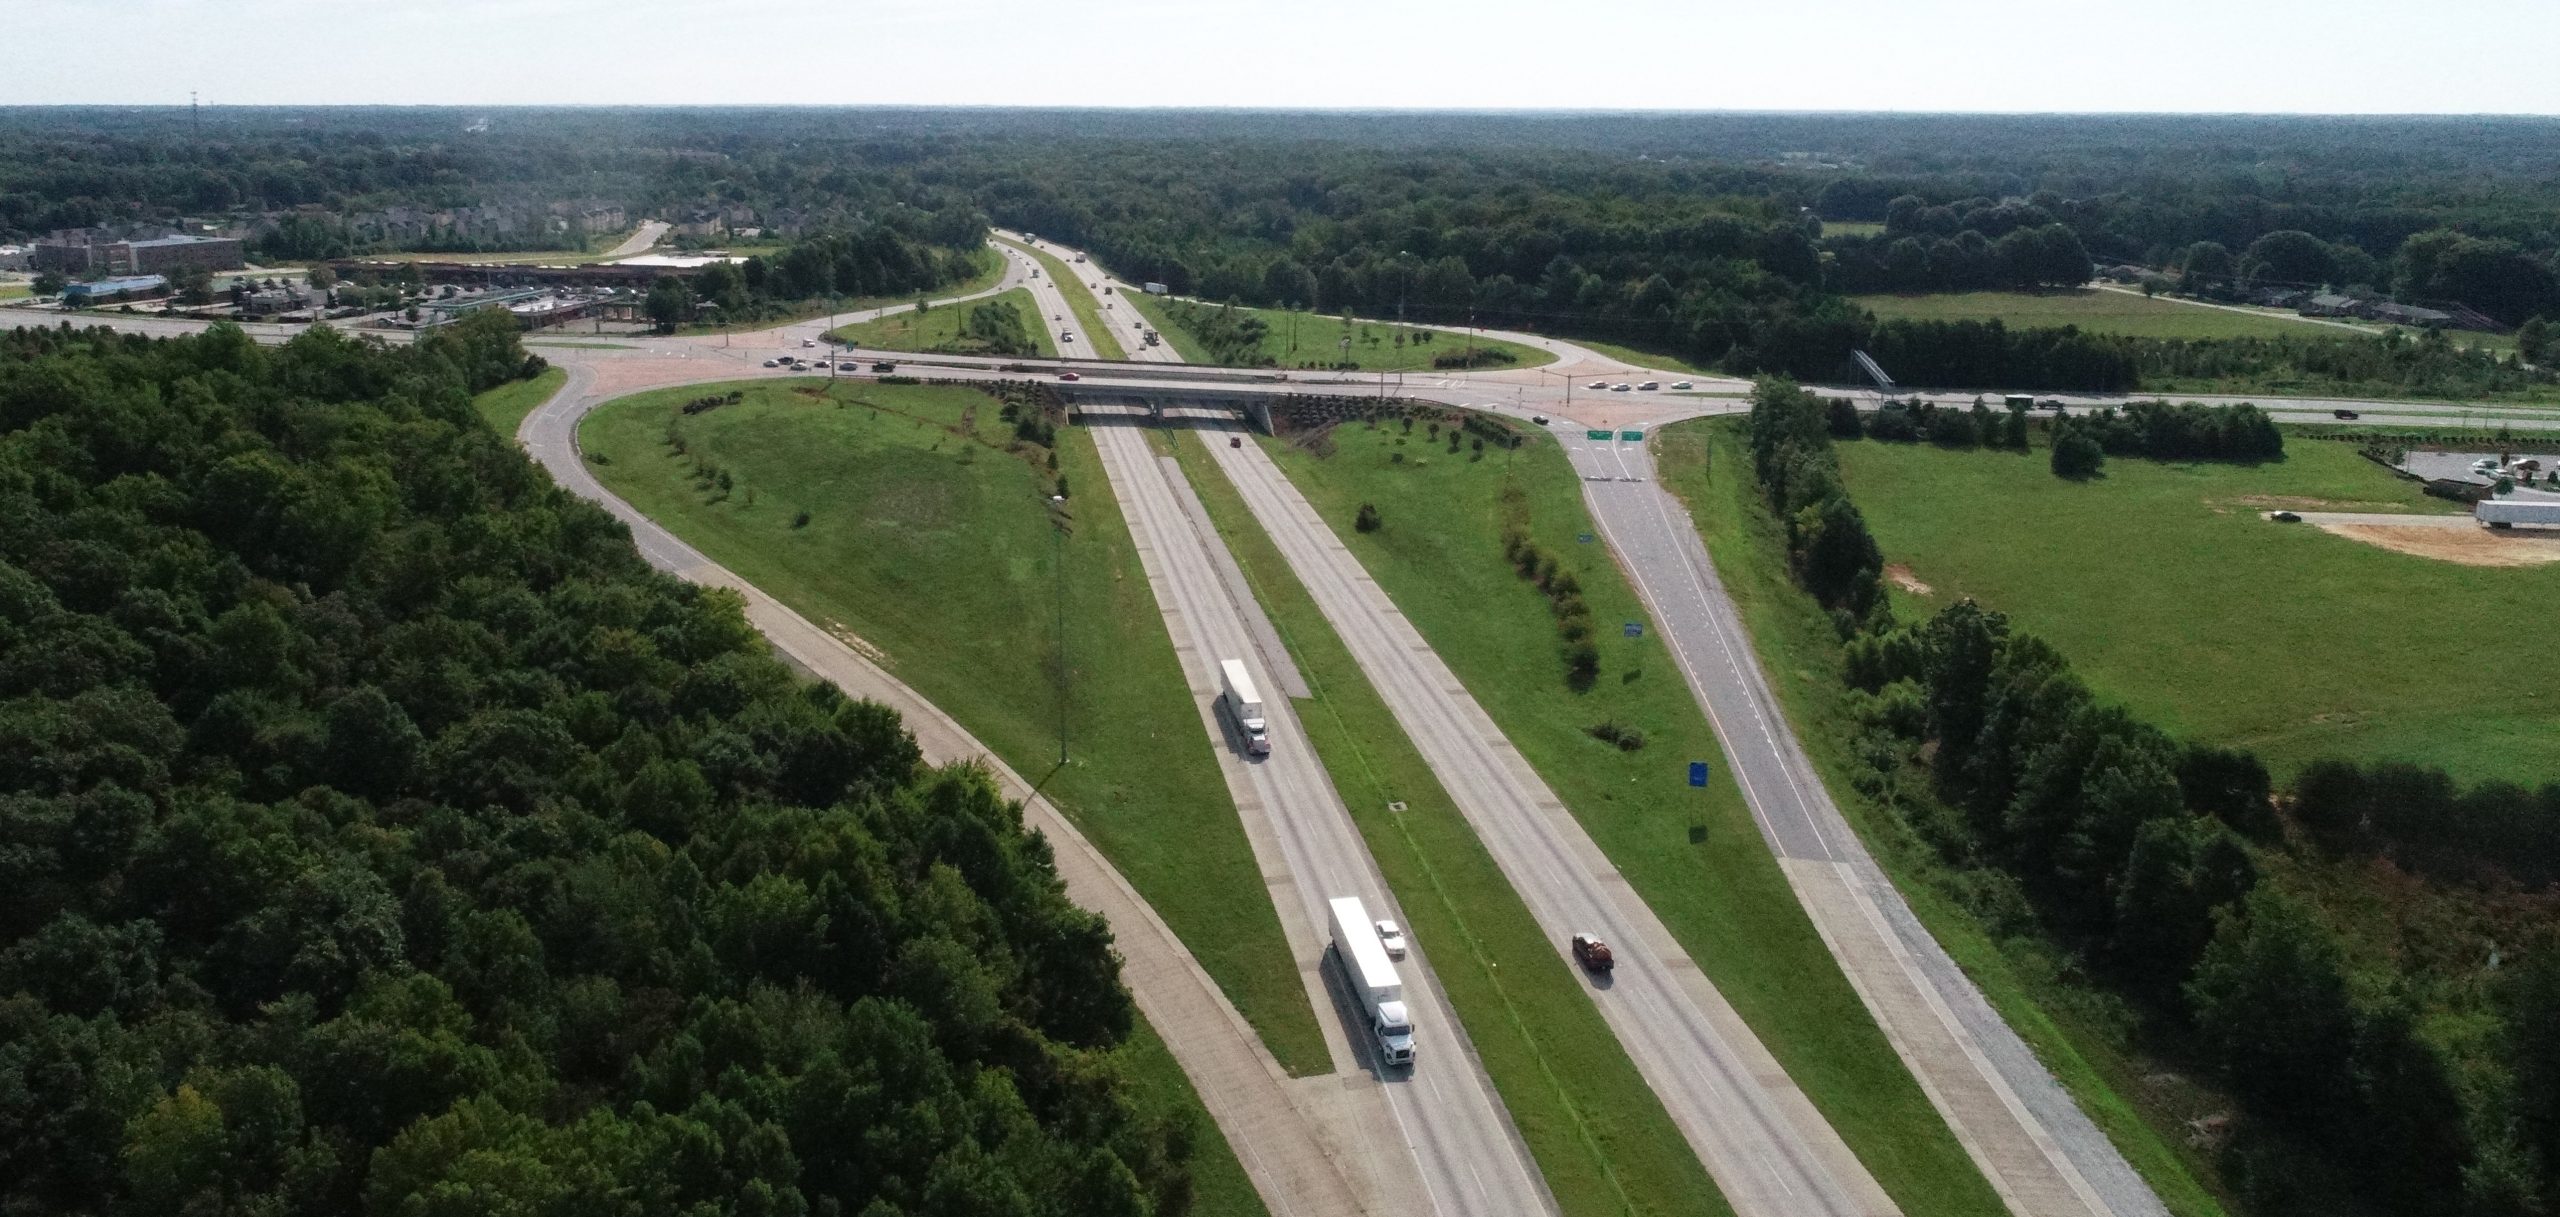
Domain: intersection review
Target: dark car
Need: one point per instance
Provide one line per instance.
(1593, 954)
(2346, 414)
(2286, 517)
(884, 366)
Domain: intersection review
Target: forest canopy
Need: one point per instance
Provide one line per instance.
(383, 836)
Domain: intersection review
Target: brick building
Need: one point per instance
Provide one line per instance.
(79, 254)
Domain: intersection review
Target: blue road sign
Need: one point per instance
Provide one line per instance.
(1635, 629)
(1697, 773)
(1585, 538)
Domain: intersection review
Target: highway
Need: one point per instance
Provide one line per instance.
(1465, 1159)
(1288, 1133)
(2030, 1139)
(1769, 1151)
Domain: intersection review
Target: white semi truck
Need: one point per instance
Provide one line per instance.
(1372, 977)
(2507, 513)
(1245, 703)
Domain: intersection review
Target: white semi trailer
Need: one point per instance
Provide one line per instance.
(1372, 977)
(2507, 513)
(1245, 703)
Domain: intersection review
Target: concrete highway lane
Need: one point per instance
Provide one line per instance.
(1769, 1151)
(1465, 1159)
(2031, 1141)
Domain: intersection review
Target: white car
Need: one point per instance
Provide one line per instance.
(808, 342)
(1620, 388)
(1650, 385)
(1597, 384)
(773, 363)
(1391, 936)
(1681, 384)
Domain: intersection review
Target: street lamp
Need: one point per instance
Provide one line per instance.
(1058, 537)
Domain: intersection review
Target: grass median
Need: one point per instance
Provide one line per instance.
(505, 406)
(2079, 1035)
(1695, 857)
(1299, 339)
(945, 328)
(1098, 339)
(1600, 1136)
(906, 520)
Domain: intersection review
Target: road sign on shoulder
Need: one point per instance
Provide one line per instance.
(1697, 773)
(1631, 436)
(1584, 538)
(1598, 435)
(1635, 629)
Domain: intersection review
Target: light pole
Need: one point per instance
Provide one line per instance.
(1058, 537)
(1404, 281)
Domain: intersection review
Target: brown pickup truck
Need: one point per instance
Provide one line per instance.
(1592, 954)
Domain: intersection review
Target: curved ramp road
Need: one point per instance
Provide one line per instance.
(1276, 1126)
(2031, 1140)
(1450, 1148)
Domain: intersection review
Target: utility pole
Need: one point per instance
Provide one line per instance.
(1058, 534)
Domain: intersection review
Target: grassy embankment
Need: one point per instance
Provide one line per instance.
(990, 269)
(2175, 597)
(2080, 1036)
(931, 544)
(1220, 1188)
(938, 328)
(1695, 857)
(1852, 228)
(1295, 340)
(1093, 332)
(506, 405)
(2098, 311)
(1601, 1138)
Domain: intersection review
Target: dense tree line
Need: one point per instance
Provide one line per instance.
(2047, 255)
(2076, 822)
(383, 836)
(895, 257)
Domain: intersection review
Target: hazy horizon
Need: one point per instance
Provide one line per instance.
(2188, 57)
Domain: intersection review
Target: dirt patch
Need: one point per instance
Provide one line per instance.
(1904, 579)
(2470, 547)
(857, 643)
(2295, 502)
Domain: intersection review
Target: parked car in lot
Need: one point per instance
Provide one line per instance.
(1593, 954)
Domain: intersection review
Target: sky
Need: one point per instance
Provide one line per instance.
(2265, 56)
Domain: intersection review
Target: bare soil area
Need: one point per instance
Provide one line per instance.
(1904, 579)
(2468, 546)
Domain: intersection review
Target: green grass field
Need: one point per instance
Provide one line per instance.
(1852, 228)
(1093, 331)
(1697, 859)
(2079, 1035)
(1600, 1136)
(930, 542)
(1315, 338)
(939, 328)
(2166, 590)
(2095, 310)
(506, 405)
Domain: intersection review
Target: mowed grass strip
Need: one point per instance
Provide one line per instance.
(2098, 311)
(938, 327)
(2168, 591)
(1600, 1136)
(931, 544)
(505, 406)
(1092, 332)
(1695, 856)
(2074, 1037)
(1302, 339)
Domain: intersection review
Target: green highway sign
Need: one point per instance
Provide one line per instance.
(1631, 436)
(1599, 435)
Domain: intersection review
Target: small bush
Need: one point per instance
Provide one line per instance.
(1367, 520)
(801, 520)
(1627, 739)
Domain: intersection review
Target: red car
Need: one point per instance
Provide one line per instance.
(1069, 376)
(1593, 954)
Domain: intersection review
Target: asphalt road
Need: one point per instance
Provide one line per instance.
(2031, 1140)
(641, 241)
(1465, 1157)
(1286, 1132)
